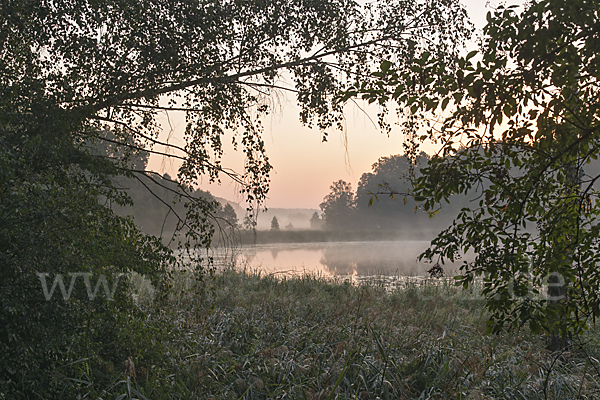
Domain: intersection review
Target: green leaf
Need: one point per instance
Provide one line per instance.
(385, 66)
(445, 103)
(535, 327)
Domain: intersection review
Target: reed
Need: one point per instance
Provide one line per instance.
(248, 335)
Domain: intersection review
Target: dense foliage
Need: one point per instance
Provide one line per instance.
(78, 74)
(520, 129)
(311, 338)
(274, 224)
(338, 206)
(382, 200)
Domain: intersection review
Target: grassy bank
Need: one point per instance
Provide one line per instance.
(308, 236)
(243, 336)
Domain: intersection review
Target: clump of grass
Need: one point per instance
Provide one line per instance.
(246, 335)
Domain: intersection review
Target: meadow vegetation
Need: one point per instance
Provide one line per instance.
(246, 335)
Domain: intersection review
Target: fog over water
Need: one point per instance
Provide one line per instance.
(390, 258)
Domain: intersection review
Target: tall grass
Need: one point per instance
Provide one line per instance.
(246, 335)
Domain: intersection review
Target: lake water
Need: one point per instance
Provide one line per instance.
(383, 258)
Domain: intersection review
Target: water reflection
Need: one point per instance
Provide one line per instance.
(338, 258)
(376, 258)
(274, 253)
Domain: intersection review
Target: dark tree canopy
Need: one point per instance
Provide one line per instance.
(79, 76)
(274, 224)
(91, 65)
(389, 175)
(228, 214)
(521, 131)
(339, 206)
(383, 201)
(315, 221)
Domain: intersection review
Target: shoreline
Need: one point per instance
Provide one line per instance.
(246, 237)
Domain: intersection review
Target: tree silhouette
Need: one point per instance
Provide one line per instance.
(339, 206)
(315, 221)
(274, 224)
(520, 130)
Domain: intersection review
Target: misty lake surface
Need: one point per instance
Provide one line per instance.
(387, 258)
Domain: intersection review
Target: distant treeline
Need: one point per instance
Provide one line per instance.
(159, 204)
(382, 201)
(380, 209)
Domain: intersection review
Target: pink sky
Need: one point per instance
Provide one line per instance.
(304, 166)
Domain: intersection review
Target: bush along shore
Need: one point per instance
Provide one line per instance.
(241, 335)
